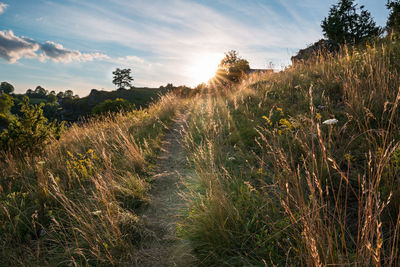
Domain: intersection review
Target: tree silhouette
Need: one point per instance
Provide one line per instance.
(393, 23)
(232, 67)
(345, 25)
(40, 91)
(122, 78)
(6, 87)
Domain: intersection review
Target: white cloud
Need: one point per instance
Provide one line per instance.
(2, 7)
(13, 47)
(58, 53)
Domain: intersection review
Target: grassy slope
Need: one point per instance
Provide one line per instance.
(277, 186)
(75, 205)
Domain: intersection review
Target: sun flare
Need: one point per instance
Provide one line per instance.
(204, 68)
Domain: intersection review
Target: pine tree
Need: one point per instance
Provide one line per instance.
(393, 23)
(345, 25)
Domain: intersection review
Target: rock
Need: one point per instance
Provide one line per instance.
(322, 47)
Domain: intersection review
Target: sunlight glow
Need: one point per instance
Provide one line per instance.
(204, 68)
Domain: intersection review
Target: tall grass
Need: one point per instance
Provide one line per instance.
(76, 204)
(276, 186)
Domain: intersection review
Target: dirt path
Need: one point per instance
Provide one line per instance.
(161, 246)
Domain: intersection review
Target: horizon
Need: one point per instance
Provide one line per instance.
(72, 45)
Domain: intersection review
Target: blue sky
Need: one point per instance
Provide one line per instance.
(76, 44)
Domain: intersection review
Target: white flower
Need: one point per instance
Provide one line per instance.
(330, 122)
(231, 158)
(96, 213)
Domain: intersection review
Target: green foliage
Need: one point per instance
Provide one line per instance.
(77, 203)
(40, 92)
(345, 25)
(6, 87)
(31, 132)
(232, 67)
(51, 98)
(6, 102)
(393, 23)
(110, 106)
(122, 78)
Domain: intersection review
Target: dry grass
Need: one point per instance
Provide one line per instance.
(277, 186)
(75, 204)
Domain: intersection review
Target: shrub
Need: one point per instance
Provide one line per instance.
(110, 106)
(31, 132)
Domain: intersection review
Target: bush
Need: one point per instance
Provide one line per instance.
(110, 106)
(31, 132)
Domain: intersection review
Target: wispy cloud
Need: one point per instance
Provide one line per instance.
(180, 30)
(2, 7)
(58, 53)
(160, 39)
(13, 48)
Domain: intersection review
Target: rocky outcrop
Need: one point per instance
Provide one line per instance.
(322, 47)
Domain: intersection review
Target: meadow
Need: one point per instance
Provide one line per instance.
(300, 167)
(296, 168)
(75, 204)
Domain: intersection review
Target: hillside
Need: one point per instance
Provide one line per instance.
(139, 97)
(293, 168)
(300, 167)
(72, 109)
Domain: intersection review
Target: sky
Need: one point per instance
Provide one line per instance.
(76, 44)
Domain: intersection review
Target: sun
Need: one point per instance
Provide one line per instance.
(204, 68)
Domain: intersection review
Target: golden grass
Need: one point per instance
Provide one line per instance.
(76, 204)
(277, 186)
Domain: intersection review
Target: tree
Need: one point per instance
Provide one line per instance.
(393, 23)
(6, 87)
(29, 92)
(232, 67)
(41, 92)
(122, 78)
(345, 25)
(60, 95)
(51, 97)
(69, 94)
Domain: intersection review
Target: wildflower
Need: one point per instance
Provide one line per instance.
(330, 122)
(231, 158)
(268, 120)
(96, 213)
(285, 123)
(320, 107)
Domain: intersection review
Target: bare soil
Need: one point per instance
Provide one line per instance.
(161, 246)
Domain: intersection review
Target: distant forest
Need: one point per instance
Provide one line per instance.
(69, 107)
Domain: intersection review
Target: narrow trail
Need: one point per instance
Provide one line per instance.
(161, 246)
